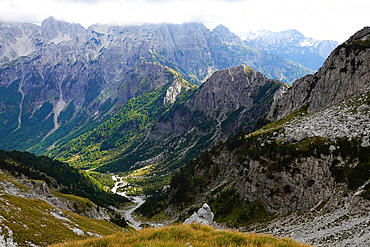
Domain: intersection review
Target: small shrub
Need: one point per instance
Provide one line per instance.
(310, 182)
(287, 189)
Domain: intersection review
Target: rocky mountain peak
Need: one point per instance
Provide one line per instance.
(53, 29)
(73, 72)
(226, 35)
(359, 34)
(228, 89)
(100, 28)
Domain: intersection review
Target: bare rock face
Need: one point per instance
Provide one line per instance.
(172, 92)
(344, 73)
(204, 216)
(228, 89)
(234, 89)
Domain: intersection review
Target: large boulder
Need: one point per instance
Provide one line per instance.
(204, 216)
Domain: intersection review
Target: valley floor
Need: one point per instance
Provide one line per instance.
(136, 200)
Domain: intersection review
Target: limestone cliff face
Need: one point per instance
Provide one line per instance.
(344, 73)
(172, 92)
(228, 90)
(307, 182)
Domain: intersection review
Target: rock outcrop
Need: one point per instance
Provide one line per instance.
(230, 89)
(204, 216)
(172, 92)
(234, 89)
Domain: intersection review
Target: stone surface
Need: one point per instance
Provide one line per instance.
(172, 92)
(342, 120)
(204, 216)
(229, 89)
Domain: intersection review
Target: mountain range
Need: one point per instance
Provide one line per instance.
(61, 76)
(147, 103)
(291, 45)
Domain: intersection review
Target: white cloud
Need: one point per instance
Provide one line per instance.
(320, 19)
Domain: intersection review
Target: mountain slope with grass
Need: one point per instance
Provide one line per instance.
(34, 222)
(44, 202)
(58, 176)
(150, 131)
(304, 174)
(125, 130)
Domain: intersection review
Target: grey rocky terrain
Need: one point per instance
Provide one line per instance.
(309, 167)
(348, 119)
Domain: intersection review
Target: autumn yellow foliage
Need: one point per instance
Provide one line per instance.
(186, 235)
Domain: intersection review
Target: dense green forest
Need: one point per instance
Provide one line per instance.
(117, 135)
(58, 175)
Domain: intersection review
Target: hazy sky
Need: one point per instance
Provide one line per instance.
(319, 19)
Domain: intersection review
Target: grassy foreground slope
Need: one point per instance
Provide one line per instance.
(58, 176)
(34, 222)
(186, 235)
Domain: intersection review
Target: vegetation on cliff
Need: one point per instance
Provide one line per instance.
(218, 174)
(58, 176)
